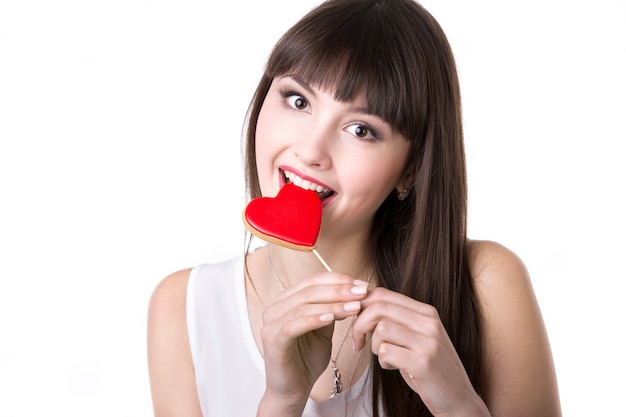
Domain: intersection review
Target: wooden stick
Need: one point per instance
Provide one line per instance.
(322, 261)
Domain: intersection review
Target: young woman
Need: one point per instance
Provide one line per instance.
(359, 101)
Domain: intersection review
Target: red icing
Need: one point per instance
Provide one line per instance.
(292, 218)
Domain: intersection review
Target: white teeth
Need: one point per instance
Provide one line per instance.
(306, 184)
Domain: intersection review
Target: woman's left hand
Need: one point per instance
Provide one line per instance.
(409, 336)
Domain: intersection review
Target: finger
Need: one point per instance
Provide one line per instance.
(390, 332)
(416, 365)
(392, 356)
(284, 332)
(319, 278)
(416, 352)
(381, 314)
(384, 295)
(385, 305)
(308, 312)
(340, 299)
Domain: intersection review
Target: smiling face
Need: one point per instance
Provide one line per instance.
(353, 159)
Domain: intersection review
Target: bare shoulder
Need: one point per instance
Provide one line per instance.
(172, 376)
(500, 278)
(167, 308)
(487, 259)
(518, 376)
(170, 293)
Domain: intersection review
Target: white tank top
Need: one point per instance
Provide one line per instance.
(230, 372)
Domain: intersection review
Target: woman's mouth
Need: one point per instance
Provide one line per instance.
(323, 192)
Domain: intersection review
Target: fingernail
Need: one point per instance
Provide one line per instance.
(352, 306)
(359, 282)
(327, 317)
(359, 289)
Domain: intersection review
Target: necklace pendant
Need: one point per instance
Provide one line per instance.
(337, 387)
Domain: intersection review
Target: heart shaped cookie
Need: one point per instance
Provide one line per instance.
(292, 219)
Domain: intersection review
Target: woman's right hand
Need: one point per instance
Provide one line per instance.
(297, 337)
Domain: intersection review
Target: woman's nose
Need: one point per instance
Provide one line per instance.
(313, 148)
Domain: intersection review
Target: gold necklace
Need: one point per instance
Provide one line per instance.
(337, 385)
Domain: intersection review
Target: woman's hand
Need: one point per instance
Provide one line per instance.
(408, 335)
(297, 337)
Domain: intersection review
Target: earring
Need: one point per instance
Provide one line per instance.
(402, 195)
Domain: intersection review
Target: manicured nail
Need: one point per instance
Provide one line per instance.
(327, 317)
(358, 282)
(359, 289)
(352, 306)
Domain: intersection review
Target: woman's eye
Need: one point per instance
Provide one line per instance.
(297, 102)
(362, 131)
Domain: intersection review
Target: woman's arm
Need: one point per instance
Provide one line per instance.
(172, 377)
(519, 378)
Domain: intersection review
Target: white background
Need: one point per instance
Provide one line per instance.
(120, 163)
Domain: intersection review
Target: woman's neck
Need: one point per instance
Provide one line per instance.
(292, 265)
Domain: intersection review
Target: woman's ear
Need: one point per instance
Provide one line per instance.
(400, 188)
(406, 182)
(404, 186)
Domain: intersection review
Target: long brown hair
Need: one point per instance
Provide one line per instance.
(394, 53)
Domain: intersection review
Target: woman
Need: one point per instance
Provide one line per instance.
(359, 101)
